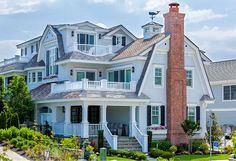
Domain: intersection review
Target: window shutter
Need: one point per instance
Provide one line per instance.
(57, 56)
(47, 63)
(114, 40)
(149, 115)
(198, 114)
(80, 114)
(123, 40)
(162, 115)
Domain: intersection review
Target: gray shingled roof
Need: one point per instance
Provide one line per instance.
(43, 93)
(13, 66)
(33, 62)
(221, 71)
(80, 56)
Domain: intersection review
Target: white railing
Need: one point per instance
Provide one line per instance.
(95, 50)
(15, 59)
(102, 85)
(142, 138)
(93, 129)
(111, 139)
(94, 84)
(58, 128)
(76, 129)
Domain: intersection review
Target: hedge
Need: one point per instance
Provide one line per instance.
(127, 154)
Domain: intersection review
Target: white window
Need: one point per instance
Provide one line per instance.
(52, 64)
(158, 76)
(118, 40)
(229, 92)
(189, 78)
(156, 119)
(122, 75)
(192, 113)
(29, 77)
(33, 77)
(40, 76)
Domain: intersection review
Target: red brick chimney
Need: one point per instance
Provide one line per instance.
(176, 76)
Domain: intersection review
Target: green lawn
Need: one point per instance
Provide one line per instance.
(117, 158)
(202, 157)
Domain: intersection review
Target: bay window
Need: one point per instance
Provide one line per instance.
(33, 77)
(40, 76)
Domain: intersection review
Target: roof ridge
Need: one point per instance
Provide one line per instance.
(222, 61)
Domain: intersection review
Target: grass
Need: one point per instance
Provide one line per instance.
(116, 158)
(201, 157)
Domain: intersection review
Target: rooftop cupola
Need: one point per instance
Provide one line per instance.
(152, 28)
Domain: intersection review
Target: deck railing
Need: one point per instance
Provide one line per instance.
(94, 50)
(93, 129)
(102, 85)
(142, 138)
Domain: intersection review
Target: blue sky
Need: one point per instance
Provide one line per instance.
(210, 24)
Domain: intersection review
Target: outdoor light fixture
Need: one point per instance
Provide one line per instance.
(133, 69)
(71, 72)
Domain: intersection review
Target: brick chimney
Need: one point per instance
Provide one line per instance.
(176, 76)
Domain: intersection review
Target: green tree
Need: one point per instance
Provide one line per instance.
(2, 93)
(3, 120)
(19, 99)
(190, 128)
(14, 120)
(216, 132)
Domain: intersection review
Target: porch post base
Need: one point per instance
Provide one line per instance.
(131, 127)
(85, 130)
(67, 129)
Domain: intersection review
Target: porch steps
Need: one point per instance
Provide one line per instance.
(128, 143)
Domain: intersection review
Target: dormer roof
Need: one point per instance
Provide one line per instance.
(152, 24)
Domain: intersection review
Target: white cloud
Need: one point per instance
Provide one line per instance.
(101, 1)
(20, 6)
(216, 41)
(8, 48)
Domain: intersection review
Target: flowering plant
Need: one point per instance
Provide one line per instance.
(159, 127)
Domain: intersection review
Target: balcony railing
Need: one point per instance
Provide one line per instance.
(15, 59)
(102, 85)
(94, 50)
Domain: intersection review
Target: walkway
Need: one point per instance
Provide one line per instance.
(12, 155)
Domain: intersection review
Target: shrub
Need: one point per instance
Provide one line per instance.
(164, 145)
(14, 131)
(228, 149)
(24, 132)
(154, 144)
(185, 153)
(182, 147)
(196, 143)
(72, 143)
(13, 141)
(100, 139)
(19, 144)
(127, 154)
(198, 152)
(149, 133)
(204, 148)
(160, 153)
(25, 147)
(173, 148)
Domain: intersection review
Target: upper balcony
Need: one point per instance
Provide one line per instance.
(102, 85)
(16, 59)
(91, 49)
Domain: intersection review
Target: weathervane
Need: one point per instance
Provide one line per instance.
(153, 14)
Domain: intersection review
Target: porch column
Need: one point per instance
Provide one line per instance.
(203, 118)
(132, 121)
(103, 115)
(85, 123)
(67, 122)
(37, 114)
(142, 119)
(54, 117)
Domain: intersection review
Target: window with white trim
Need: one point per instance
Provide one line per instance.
(156, 115)
(192, 113)
(29, 77)
(158, 76)
(189, 78)
(33, 77)
(52, 63)
(229, 92)
(40, 76)
(123, 75)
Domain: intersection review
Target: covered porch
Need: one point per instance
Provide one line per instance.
(85, 118)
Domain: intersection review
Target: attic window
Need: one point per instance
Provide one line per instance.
(72, 33)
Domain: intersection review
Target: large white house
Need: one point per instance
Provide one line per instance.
(84, 78)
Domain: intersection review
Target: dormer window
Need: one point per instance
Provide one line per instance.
(155, 30)
(51, 57)
(25, 51)
(119, 40)
(85, 42)
(22, 52)
(32, 49)
(146, 30)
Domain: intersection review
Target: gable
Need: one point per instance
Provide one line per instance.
(49, 36)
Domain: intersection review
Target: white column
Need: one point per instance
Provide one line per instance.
(54, 117)
(132, 121)
(103, 115)
(36, 114)
(85, 123)
(203, 119)
(67, 122)
(142, 119)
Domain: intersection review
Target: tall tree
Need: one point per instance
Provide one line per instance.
(216, 132)
(190, 128)
(19, 99)
(2, 93)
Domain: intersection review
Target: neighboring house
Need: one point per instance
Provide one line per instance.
(84, 78)
(223, 81)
